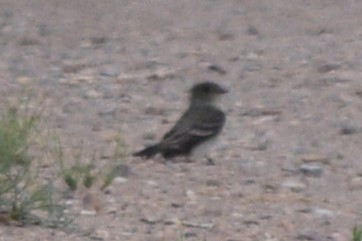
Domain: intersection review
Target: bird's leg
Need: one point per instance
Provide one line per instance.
(210, 161)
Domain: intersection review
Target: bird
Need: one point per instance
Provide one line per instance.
(199, 124)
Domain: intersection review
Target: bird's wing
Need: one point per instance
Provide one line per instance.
(192, 129)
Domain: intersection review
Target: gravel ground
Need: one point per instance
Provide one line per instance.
(288, 164)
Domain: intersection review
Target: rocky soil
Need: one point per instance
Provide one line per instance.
(288, 164)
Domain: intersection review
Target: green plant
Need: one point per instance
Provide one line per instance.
(118, 155)
(25, 197)
(29, 193)
(357, 234)
(86, 173)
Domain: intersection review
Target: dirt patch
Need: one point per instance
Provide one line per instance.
(288, 165)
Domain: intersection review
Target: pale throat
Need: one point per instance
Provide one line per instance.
(205, 100)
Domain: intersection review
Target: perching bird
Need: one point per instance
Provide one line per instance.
(201, 123)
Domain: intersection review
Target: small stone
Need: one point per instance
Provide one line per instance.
(294, 186)
(255, 143)
(348, 129)
(111, 111)
(154, 111)
(248, 181)
(101, 234)
(28, 41)
(216, 68)
(252, 31)
(333, 80)
(72, 106)
(88, 212)
(120, 180)
(152, 183)
(74, 67)
(92, 202)
(149, 136)
(190, 235)
(98, 40)
(308, 235)
(108, 135)
(314, 158)
(150, 220)
(337, 237)
(169, 222)
(358, 93)
(237, 215)
(198, 225)
(325, 68)
(270, 187)
(289, 169)
(109, 71)
(260, 111)
(176, 205)
(161, 74)
(321, 212)
(23, 80)
(191, 195)
(355, 183)
(93, 94)
(123, 170)
(213, 183)
(311, 170)
(249, 222)
(44, 30)
(224, 36)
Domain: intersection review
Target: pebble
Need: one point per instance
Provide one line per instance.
(355, 183)
(120, 180)
(109, 71)
(294, 186)
(74, 67)
(314, 158)
(321, 212)
(216, 68)
(255, 144)
(93, 94)
(91, 203)
(28, 41)
(289, 169)
(154, 111)
(98, 40)
(213, 183)
(88, 212)
(151, 183)
(191, 195)
(190, 234)
(150, 220)
(348, 129)
(108, 135)
(123, 170)
(311, 170)
(110, 111)
(101, 234)
(248, 181)
(253, 31)
(23, 80)
(149, 136)
(325, 68)
(308, 235)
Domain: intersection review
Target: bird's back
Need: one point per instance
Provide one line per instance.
(197, 125)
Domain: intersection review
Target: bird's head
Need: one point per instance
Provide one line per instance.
(206, 92)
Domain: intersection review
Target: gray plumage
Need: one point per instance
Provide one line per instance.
(201, 121)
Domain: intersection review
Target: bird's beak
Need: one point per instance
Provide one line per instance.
(223, 90)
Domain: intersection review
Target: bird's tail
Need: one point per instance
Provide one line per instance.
(148, 151)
